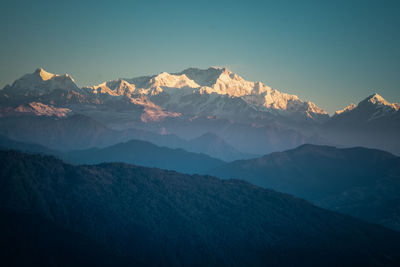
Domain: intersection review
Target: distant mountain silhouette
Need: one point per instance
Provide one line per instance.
(80, 132)
(10, 144)
(361, 182)
(57, 133)
(134, 151)
(373, 123)
(146, 154)
(212, 144)
(157, 217)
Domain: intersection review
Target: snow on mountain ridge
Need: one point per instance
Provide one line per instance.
(44, 74)
(40, 82)
(176, 89)
(346, 109)
(378, 100)
(172, 90)
(165, 79)
(222, 81)
(374, 106)
(114, 88)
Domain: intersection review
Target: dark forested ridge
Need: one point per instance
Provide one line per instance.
(362, 182)
(29, 239)
(157, 217)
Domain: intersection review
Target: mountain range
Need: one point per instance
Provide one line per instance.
(180, 128)
(361, 182)
(147, 216)
(138, 152)
(249, 117)
(146, 154)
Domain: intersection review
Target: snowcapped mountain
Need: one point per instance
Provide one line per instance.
(193, 92)
(114, 88)
(373, 123)
(40, 82)
(44, 88)
(371, 108)
(250, 116)
(211, 92)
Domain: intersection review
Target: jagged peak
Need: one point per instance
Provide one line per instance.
(166, 79)
(44, 74)
(374, 105)
(204, 77)
(378, 100)
(114, 87)
(41, 82)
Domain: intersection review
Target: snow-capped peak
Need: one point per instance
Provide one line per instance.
(203, 77)
(212, 81)
(44, 74)
(115, 88)
(379, 101)
(372, 107)
(40, 82)
(224, 82)
(178, 91)
(219, 80)
(165, 79)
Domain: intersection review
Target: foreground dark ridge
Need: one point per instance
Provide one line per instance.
(151, 216)
(362, 182)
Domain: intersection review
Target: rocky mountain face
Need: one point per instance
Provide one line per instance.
(149, 216)
(361, 182)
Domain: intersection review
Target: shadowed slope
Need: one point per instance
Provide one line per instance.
(163, 217)
(358, 181)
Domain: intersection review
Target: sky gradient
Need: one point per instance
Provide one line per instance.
(329, 52)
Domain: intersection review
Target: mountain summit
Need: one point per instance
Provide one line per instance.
(40, 82)
(44, 74)
(379, 101)
(371, 108)
(202, 88)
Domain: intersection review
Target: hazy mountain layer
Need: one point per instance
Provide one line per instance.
(81, 132)
(361, 182)
(146, 154)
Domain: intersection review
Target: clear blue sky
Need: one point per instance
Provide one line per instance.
(329, 52)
